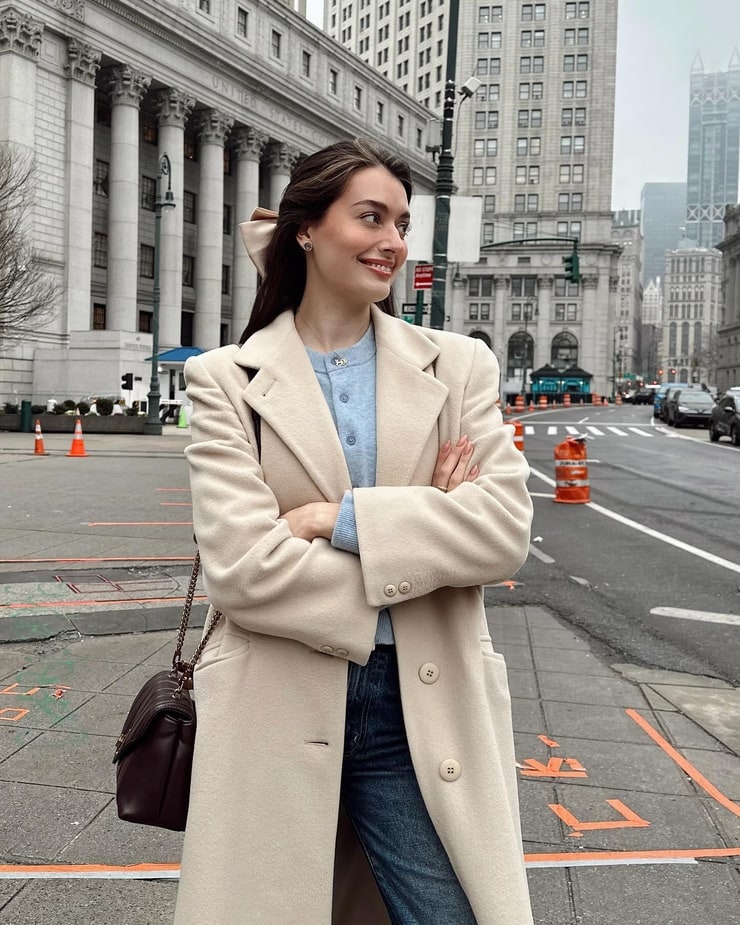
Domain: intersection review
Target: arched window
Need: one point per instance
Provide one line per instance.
(685, 338)
(564, 351)
(520, 354)
(481, 335)
(672, 338)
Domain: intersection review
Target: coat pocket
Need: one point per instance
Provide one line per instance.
(228, 642)
(497, 681)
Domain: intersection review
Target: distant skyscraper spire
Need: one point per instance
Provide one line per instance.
(698, 66)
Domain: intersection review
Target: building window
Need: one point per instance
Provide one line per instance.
(100, 178)
(400, 126)
(145, 322)
(533, 202)
(146, 261)
(523, 286)
(583, 36)
(102, 112)
(225, 279)
(242, 21)
(100, 250)
(485, 311)
(98, 317)
(480, 286)
(204, 6)
(276, 42)
(569, 62)
(379, 112)
(188, 270)
(358, 97)
(148, 127)
(577, 175)
(227, 219)
(148, 193)
(473, 311)
(579, 144)
(576, 202)
(188, 207)
(306, 63)
(190, 145)
(333, 81)
(581, 62)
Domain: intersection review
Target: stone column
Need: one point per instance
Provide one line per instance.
(213, 129)
(173, 109)
(82, 66)
(248, 145)
(281, 159)
(542, 327)
(127, 86)
(20, 43)
(589, 353)
(500, 287)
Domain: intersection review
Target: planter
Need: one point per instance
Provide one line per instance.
(91, 424)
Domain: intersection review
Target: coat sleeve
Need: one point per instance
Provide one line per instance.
(416, 539)
(254, 570)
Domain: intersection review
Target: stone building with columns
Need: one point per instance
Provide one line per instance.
(728, 332)
(234, 92)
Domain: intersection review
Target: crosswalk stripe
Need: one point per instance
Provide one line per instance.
(617, 431)
(551, 430)
(595, 431)
(528, 430)
(572, 430)
(640, 433)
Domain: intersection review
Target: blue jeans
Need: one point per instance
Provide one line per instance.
(382, 798)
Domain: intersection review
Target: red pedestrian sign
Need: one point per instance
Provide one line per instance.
(423, 275)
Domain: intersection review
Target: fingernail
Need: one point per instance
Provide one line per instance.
(446, 446)
(474, 472)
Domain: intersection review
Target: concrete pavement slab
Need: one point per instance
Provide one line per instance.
(516, 656)
(552, 901)
(528, 716)
(716, 710)
(64, 759)
(522, 683)
(590, 689)
(596, 722)
(683, 732)
(111, 841)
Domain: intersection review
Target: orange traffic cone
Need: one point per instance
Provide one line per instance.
(507, 409)
(38, 447)
(531, 406)
(78, 444)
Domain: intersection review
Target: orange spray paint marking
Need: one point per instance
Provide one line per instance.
(685, 765)
(59, 693)
(629, 820)
(27, 693)
(553, 768)
(550, 743)
(9, 715)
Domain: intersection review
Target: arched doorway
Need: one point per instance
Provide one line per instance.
(520, 355)
(481, 335)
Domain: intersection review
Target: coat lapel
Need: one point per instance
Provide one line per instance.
(408, 397)
(287, 396)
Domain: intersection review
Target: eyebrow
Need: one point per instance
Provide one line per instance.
(380, 206)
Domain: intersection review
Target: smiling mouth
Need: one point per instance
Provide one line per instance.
(378, 267)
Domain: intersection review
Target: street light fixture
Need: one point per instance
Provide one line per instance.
(530, 312)
(153, 425)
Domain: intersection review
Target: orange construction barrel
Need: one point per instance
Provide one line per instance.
(542, 401)
(518, 433)
(571, 472)
(519, 403)
(566, 400)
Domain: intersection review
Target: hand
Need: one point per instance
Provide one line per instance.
(453, 465)
(312, 520)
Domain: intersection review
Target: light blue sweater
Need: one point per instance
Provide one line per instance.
(349, 390)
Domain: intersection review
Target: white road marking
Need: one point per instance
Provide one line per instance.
(664, 538)
(617, 431)
(551, 431)
(573, 430)
(641, 433)
(704, 616)
(592, 429)
(542, 556)
(528, 430)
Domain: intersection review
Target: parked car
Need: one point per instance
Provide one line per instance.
(660, 396)
(672, 388)
(645, 395)
(689, 406)
(724, 420)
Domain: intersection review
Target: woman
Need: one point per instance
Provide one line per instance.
(354, 760)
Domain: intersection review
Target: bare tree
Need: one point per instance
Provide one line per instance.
(28, 295)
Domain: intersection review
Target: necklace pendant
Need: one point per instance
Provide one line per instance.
(338, 360)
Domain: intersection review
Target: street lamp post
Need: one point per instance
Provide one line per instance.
(530, 312)
(444, 187)
(153, 425)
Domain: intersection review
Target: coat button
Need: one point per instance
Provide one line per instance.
(429, 672)
(390, 590)
(342, 653)
(327, 650)
(450, 769)
(404, 587)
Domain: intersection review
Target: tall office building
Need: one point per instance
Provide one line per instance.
(714, 150)
(663, 219)
(535, 143)
(628, 319)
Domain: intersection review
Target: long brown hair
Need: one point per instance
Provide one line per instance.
(315, 184)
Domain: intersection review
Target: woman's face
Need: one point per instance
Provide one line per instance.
(358, 247)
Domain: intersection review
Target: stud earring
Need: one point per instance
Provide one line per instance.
(308, 246)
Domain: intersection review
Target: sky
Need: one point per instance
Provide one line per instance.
(657, 43)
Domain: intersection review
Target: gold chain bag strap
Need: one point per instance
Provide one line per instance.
(154, 753)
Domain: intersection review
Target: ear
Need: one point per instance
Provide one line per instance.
(303, 236)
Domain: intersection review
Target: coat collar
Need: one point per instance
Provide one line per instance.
(286, 394)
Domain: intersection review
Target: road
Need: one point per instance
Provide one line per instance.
(660, 537)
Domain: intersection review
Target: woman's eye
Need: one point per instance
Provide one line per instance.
(371, 217)
(404, 228)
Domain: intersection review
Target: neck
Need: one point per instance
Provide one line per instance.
(328, 331)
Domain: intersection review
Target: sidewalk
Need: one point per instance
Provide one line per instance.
(629, 782)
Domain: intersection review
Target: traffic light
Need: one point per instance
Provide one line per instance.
(127, 381)
(571, 265)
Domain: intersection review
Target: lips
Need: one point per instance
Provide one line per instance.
(379, 266)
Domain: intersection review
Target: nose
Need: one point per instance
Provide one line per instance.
(394, 240)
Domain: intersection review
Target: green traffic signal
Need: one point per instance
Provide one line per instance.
(572, 271)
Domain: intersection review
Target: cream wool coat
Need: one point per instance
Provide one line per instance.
(271, 686)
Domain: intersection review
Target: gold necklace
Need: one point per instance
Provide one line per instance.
(337, 358)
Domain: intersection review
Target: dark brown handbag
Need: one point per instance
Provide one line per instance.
(154, 753)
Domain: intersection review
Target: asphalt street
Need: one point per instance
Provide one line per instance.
(629, 768)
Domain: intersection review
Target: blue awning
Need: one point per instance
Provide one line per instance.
(178, 354)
